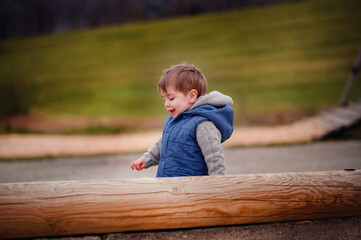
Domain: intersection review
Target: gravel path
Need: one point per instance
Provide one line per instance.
(317, 156)
(13, 146)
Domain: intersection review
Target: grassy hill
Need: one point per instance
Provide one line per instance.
(278, 59)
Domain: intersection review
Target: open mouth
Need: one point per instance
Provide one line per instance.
(171, 111)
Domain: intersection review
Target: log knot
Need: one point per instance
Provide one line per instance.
(177, 190)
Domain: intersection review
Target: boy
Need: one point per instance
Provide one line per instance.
(193, 132)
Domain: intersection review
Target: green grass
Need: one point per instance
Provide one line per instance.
(286, 57)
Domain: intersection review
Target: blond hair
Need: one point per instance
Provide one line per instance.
(183, 77)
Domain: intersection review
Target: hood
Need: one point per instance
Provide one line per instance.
(215, 106)
(215, 99)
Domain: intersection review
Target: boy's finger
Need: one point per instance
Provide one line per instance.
(141, 166)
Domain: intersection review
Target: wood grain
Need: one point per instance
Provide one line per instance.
(84, 207)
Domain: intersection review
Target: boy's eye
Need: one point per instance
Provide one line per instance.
(171, 99)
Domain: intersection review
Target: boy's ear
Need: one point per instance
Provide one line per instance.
(193, 96)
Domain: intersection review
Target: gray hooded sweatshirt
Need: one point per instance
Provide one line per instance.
(208, 137)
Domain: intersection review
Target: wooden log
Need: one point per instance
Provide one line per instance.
(85, 207)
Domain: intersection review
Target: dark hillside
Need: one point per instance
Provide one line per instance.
(24, 17)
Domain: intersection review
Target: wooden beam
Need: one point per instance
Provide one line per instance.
(85, 207)
(351, 80)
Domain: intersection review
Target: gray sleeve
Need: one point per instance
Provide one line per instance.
(151, 157)
(209, 140)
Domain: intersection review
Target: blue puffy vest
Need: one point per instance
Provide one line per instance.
(180, 154)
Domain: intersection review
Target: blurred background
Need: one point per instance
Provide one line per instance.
(92, 66)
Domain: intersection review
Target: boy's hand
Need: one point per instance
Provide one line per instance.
(138, 164)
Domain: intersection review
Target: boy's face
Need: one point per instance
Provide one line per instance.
(176, 102)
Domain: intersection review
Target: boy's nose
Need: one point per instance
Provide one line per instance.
(166, 104)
